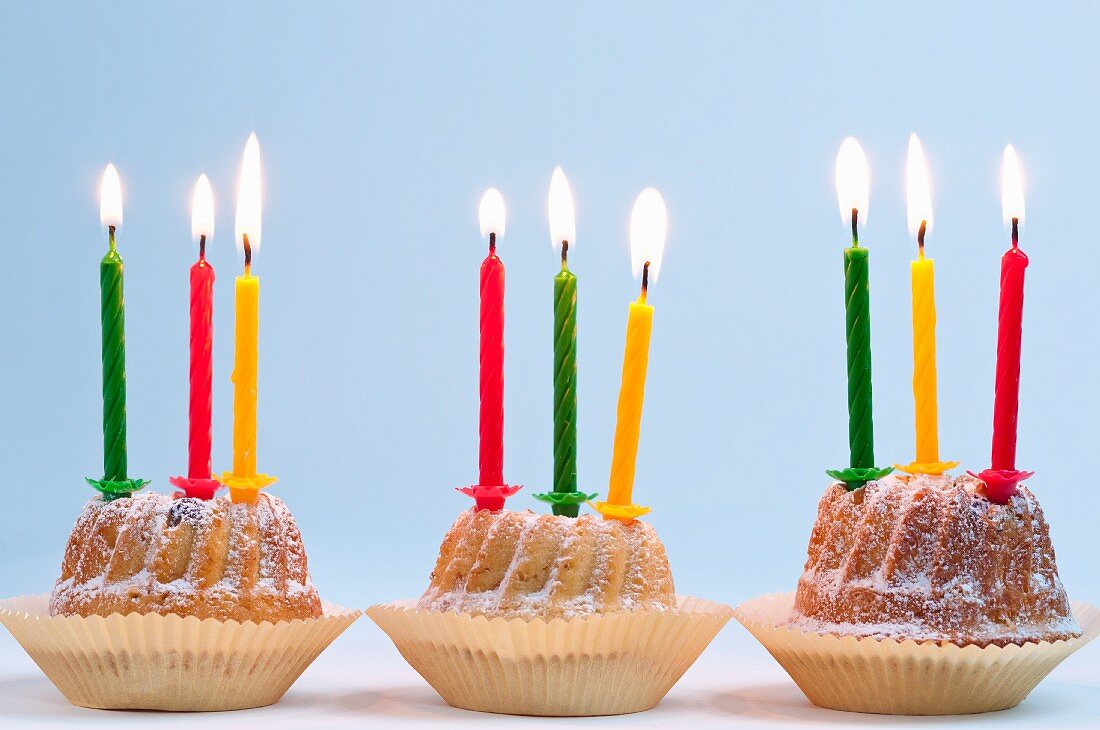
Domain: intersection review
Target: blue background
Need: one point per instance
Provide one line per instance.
(380, 127)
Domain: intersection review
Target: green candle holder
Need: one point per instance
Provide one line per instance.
(855, 477)
(565, 503)
(113, 489)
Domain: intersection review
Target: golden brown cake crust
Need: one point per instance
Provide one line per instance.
(519, 564)
(151, 553)
(930, 558)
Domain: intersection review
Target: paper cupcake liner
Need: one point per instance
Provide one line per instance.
(154, 662)
(905, 677)
(607, 664)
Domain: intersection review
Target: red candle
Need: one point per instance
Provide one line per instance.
(1006, 402)
(202, 368)
(490, 491)
(491, 422)
(199, 482)
(1001, 479)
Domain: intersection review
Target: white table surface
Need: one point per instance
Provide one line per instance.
(361, 681)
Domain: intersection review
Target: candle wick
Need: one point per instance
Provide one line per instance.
(247, 255)
(111, 237)
(855, 226)
(492, 242)
(202, 247)
(920, 237)
(564, 255)
(1015, 233)
(645, 281)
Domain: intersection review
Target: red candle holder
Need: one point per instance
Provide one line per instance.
(489, 497)
(1000, 484)
(195, 488)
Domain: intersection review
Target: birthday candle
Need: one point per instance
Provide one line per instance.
(648, 227)
(115, 482)
(922, 280)
(245, 481)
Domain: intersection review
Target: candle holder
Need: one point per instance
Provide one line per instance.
(934, 468)
(196, 488)
(113, 489)
(246, 489)
(620, 512)
(1000, 484)
(565, 503)
(855, 477)
(489, 497)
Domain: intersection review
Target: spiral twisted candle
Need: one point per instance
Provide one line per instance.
(491, 382)
(631, 396)
(924, 361)
(858, 331)
(201, 371)
(245, 374)
(112, 312)
(1006, 402)
(565, 389)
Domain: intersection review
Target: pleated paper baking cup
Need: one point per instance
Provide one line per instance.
(607, 664)
(154, 662)
(890, 677)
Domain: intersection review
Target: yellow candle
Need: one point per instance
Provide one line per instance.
(244, 481)
(628, 427)
(922, 278)
(245, 372)
(922, 273)
(648, 223)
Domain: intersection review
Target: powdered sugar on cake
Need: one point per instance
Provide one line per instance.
(930, 558)
(213, 559)
(519, 564)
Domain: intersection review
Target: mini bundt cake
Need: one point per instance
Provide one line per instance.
(930, 558)
(217, 559)
(519, 564)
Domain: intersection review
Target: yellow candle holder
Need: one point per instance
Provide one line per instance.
(244, 490)
(933, 468)
(620, 512)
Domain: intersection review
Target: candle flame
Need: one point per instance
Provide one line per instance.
(918, 188)
(249, 197)
(110, 198)
(563, 219)
(202, 210)
(1012, 186)
(853, 180)
(490, 213)
(648, 228)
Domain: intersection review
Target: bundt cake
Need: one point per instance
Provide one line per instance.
(150, 553)
(519, 564)
(930, 558)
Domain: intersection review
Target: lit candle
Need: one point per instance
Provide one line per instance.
(115, 483)
(244, 481)
(1003, 476)
(199, 482)
(564, 499)
(853, 191)
(491, 491)
(922, 277)
(648, 228)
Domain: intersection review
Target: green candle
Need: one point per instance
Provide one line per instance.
(861, 439)
(112, 313)
(115, 482)
(853, 191)
(565, 386)
(857, 320)
(564, 499)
